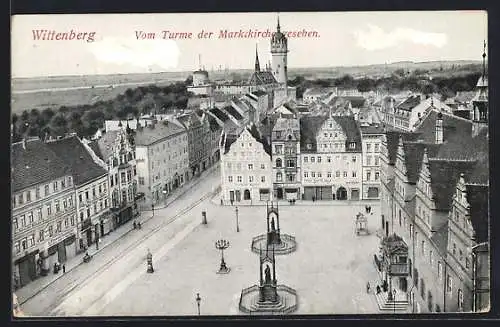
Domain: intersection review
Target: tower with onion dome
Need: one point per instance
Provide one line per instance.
(279, 50)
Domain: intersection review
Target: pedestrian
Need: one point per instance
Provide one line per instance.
(368, 287)
(221, 201)
(64, 268)
(135, 225)
(378, 289)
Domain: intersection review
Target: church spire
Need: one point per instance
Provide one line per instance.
(484, 59)
(257, 64)
(278, 26)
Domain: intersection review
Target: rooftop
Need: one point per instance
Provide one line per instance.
(35, 164)
(151, 134)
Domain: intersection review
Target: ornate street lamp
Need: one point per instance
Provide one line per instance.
(149, 262)
(237, 222)
(165, 196)
(222, 245)
(394, 299)
(198, 300)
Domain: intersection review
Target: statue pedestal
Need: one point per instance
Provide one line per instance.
(150, 268)
(268, 293)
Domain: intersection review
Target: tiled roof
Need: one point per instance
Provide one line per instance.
(444, 177)
(95, 147)
(414, 153)
(259, 93)
(451, 125)
(34, 165)
(351, 129)
(477, 197)
(440, 239)
(262, 78)
(159, 131)
(254, 131)
(214, 126)
(105, 145)
(309, 126)
(233, 112)
(219, 114)
(356, 101)
(72, 151)
(229, 140)
(372, 129)
(393, 142)
(409, 103)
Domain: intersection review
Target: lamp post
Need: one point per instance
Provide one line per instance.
(222, 245)
(237, 222)
(198, 300)
(394, 299)
(165, 196)
(153, 208)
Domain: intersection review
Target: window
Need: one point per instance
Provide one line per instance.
(72, 221)
(86, 195)
(263, 179)
(250, 179)
(313, 174)
(278, 163)
(28, 196)
(141, 181)
(21, 198)
(278, 177)
(112, 181)
(124, 196)
(368, 175)
(353, 174)
(377, 176)
(59, 226)
(369, 160)
(81, 216)
(15, 223)
(230, 179)
(250, 166)
(290, 163)
(240, 179)
(41, 236)
(454, 249)
(30, 217)
(55, 186)
(337, 173)
(460, 300)
(377, 147)
(123, 178)
(306, 174)
(422, 288)
(449, 284)
(291, 177)
(319, 159)
(353, 159)
(46, 190)
(88, 213)
(63, 183)
(312, 159)
(24, 244)
(319, 174)
(467, 263)
(49, 209)
(17, 247)
(345, 173)
(329, 174)
(423, 247)
(262, 166)
(58, 207)
(65, 204)
(51, 231)
(431, 257)
(368, 147)
(306, 159)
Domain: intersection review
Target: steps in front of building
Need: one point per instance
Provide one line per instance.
(386, 305)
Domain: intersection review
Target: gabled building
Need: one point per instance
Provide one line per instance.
(90, 177)
(285, 140)
(330, 149)
(245, 167)
(371, 138)
(116, 149)
(196, 142)
(44, 220)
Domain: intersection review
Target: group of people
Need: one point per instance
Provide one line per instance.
(379, 288)
(368, 208)
(137, 225)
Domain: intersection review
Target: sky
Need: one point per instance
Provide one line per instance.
(343, 39)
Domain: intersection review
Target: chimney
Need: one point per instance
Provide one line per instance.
(439, 128)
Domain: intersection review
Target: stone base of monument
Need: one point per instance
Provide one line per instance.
(287, 301)
(286, 245)
(223, 269)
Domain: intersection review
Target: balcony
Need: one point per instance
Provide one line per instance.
(398, 269)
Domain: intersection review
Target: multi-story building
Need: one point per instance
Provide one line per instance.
(371, 139)
(43, 211)
(245, 167)
(196, 142)
(117, 151)
(162, 159)
(330, 149)
(90, 177)
(419, 205)
(285, 140)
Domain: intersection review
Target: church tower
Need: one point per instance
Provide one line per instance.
(257, 64)
(279, 49)
(480, 100)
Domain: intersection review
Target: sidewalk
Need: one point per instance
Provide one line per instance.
(216, 200)
(38, 285)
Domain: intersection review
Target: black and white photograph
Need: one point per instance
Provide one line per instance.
(250, 164)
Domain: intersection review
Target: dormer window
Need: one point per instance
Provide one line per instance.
(352, 145)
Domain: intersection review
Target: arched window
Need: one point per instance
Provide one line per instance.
(460, 300)
(278, 163)
(278, 177)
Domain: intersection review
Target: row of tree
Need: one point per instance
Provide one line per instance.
(399, 81)
(85, 120)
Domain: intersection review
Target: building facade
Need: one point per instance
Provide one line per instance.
(162, 159)
(245, 167)
(91, 182)
(330, 150)
(44, 223)
(118, 152)
(371, 138)
(285, 140)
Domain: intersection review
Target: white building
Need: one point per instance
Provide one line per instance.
(44, 223)
(371, 138)
(330, 148)
(162, 159)
(90, 177)
(245, 167)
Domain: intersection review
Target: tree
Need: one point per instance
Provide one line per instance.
(58, 125)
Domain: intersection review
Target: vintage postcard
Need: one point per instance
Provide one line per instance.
(242, 164)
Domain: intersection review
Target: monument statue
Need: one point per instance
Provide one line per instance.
(272, 224)
(268, 274)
